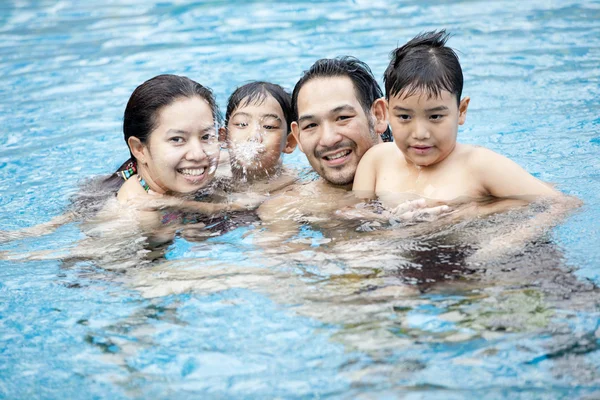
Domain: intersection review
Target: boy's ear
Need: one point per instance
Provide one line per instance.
(379, 110)
(290, 144)
(462, 110)
(295, 133)
(137, 148)
(222, 135)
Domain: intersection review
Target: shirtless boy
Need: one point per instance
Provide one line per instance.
(423, 84)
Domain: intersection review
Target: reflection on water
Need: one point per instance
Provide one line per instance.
(341, 309)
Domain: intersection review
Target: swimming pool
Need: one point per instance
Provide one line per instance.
(225, 318)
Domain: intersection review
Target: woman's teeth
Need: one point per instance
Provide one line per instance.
(338, 155)
(192, 172)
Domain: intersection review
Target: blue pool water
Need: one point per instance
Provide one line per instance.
(224, 318)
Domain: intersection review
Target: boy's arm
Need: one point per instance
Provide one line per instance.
(365, 179)
(502, 177)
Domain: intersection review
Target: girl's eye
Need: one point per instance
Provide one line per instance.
(270, 127)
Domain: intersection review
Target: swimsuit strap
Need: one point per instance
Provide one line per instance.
(143, 183)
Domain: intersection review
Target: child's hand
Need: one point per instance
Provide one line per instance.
(416, 211)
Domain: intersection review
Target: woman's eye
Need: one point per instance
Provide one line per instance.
(241, 124)
(270, 127)
(176, 139)
(208, 137)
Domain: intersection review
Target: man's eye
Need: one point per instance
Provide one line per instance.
(343, 117)
(309, 126)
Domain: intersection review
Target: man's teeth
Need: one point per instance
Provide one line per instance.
(193, 172)
(338, 155)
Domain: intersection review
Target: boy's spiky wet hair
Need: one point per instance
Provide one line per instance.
(424, 63)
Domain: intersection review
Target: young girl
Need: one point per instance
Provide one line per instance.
(256, 133)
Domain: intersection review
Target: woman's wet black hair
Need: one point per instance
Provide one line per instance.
(256, 93)
(424, 63)
(366, 88)
(141, 112)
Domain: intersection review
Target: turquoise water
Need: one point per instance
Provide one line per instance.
(224, 318)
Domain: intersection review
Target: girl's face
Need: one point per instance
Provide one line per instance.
(182, 152)
(256, 136)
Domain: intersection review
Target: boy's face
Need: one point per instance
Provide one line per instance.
(424, 127)
(333, 130)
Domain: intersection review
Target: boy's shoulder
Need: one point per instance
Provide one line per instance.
(474, 155)
(387, 150)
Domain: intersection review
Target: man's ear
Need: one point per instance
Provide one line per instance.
(462, 110)
(290, 144)
(296, 134)
(223, 135)
(379, 110)
(137, 148)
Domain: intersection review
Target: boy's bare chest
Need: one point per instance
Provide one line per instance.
(440, 184)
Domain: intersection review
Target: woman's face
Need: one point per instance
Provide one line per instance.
(256, 136)
(182, 152)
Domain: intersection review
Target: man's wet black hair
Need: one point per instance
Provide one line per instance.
(365, 85)
(256, 93)
(424, 63)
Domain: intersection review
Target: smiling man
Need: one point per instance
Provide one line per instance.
(341, 114)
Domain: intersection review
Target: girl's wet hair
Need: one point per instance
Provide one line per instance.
(424, 63)
(256, 93)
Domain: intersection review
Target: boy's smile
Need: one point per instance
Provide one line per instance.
(425, 127)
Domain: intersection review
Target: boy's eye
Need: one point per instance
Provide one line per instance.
(403, 117)
(436, 117)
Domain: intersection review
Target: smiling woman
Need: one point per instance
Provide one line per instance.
(170, 127)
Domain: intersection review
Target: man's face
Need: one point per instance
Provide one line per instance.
(333, 130)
